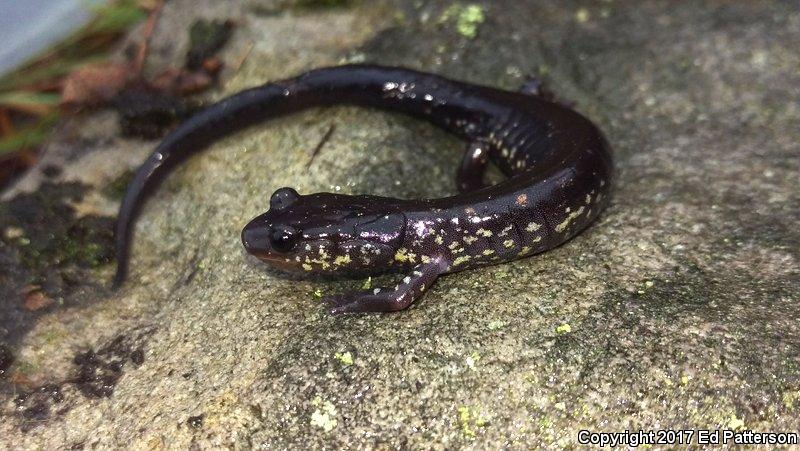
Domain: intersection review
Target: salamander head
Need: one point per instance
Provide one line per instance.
(326, 233)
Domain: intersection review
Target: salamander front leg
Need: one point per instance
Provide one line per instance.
(391, 299)
(473, 167)
(536, 87)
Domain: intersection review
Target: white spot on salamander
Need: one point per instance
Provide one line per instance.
(532, 227)
(563, 225)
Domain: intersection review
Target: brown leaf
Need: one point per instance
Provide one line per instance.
(212, 65)
(181, 82)
(35, 299)
(94, 84)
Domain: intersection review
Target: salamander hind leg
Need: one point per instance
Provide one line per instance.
(399, 297)
(473, 166)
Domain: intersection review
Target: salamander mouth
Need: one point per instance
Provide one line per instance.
(277, 261)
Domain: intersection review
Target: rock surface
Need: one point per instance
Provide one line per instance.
(678, 309)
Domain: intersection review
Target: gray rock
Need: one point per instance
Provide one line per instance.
(678, 309)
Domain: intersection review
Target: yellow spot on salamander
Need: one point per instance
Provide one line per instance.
(307, 267)
(488, 252)
(402, 255)
(525, 250)
(439, 239)
(522, 199)
(484, 232)
(508, 243)
(453, 245)
(342, 260)
(425, 259)
(470, 239)
(532, 227)
(563, 225)
(460, 260)
(505, 231)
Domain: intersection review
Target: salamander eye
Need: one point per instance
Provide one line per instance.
(284, 239)
(282, 198)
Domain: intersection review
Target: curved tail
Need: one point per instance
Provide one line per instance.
(382, 87)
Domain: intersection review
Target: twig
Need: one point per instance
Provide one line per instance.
(6, 127)
(325, 138)
(147, 33)
(242, 59)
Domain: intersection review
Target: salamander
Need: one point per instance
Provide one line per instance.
(558, 167)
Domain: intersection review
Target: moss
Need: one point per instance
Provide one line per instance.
(47, 244)
(206, 37)
(299, 5)
(323, 3)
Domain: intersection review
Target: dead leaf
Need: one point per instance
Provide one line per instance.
(94, 84)
(35, 299)
(181, 82)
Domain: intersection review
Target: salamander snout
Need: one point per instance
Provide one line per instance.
(263, 241)
(255, 238)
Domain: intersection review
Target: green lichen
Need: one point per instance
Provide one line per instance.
(472, 359)
(582, 15)
(467, 18)
(564, 329)
(346, 358)
(790, 398)
(735, 423)
(324, 416)
(469, 419)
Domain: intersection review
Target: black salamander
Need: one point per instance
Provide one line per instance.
(558, 166)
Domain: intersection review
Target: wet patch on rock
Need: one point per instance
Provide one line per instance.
(48, 254)
(95, 374)
(148, 113)
(99, 371)
(6, 359)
